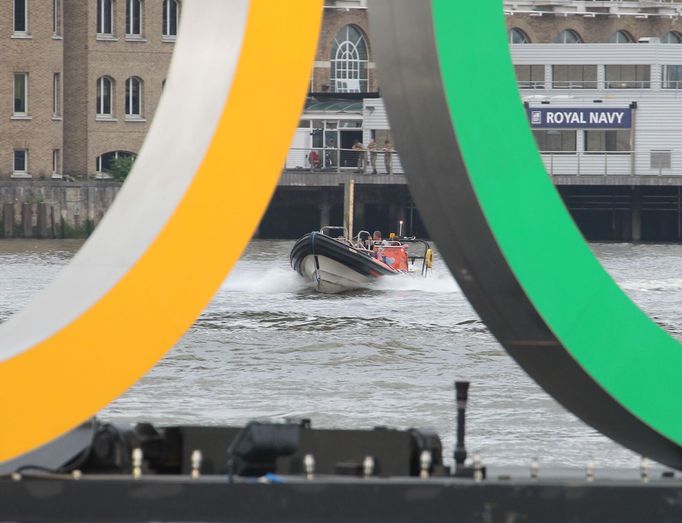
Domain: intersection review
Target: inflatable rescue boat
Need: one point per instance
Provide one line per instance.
(333, 263)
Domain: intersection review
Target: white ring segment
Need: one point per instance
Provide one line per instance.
(198, 84)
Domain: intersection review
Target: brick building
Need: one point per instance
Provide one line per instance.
(79, 82)
(344, 61)
(31, 76)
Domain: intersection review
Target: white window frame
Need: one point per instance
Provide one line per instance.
(20, 173)
(56, 95)
(130, 19)
(167, 6)
(100, 99)
(103, 16)
(98, 162)
(23, 113)
(56, 18)
(129, 98)
(56, 163)
(347, 62)
(19, 32)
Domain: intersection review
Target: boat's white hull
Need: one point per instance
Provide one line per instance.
(331, 277)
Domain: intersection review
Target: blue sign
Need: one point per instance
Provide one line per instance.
(579, 118)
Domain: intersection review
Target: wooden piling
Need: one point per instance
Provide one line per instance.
(27, 220)
(43, 231)
(8, 220)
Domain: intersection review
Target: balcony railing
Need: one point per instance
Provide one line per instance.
(601, 163)
(337, 159)
(628, 84)
(574, 84)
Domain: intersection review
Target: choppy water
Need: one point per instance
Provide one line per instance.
(269, 348)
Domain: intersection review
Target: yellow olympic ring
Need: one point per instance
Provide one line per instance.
(80, 345)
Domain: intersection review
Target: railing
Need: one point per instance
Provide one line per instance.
(591, 84)
(531, 84)
(627, 84)
(574, 84)
(599, 163)
(334, 159)
(671, 84)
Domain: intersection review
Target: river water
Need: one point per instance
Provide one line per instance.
(269, 348)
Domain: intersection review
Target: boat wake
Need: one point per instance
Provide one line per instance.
(271, 281)
(442, 282)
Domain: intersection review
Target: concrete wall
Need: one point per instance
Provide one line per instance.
(70, 209)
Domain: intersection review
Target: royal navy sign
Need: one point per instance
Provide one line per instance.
(579, 118)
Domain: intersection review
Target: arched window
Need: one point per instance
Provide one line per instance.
(621, 37)
(349, 61)
(108, 162)
(133, 17)
(673, 37)
(171, 10)
(517, 36)
(105, 90)
(568, 36)
(133, 97)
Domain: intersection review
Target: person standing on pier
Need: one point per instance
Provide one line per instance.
(357, 146)
(314, 160)
(373, 149)
(388, 156)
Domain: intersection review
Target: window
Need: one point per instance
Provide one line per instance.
(673, 37)
(133, 97)
(56, 17)
(56, 95)
(568, 36)
(105, 17)
(620, 37)
(107, 162)
(20, 94)
(661, 159)
(553, 141)
(20, 161)
(170, 19)
(517, 36)
(21, 17)
(349, 62)
(56, 162)
(672, 76)
(574, 76)
(530, 76)
(628, 76)
(612, 141)
(134, 18)
(105, 87)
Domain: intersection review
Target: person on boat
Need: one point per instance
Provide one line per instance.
(373, 149)
(357, 146)
(388, 156)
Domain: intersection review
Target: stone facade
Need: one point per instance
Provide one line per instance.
(53, 208)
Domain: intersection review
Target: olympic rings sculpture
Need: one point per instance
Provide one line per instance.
(496, 218)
